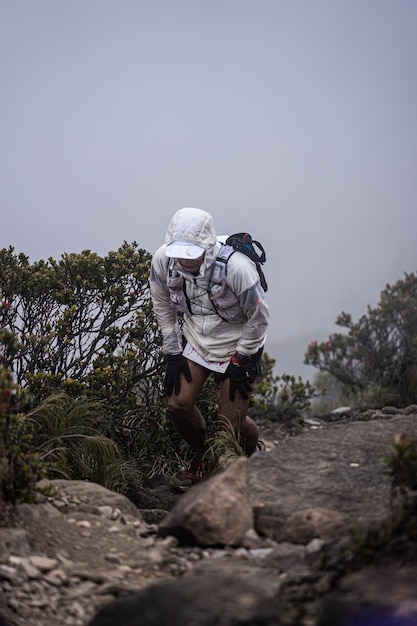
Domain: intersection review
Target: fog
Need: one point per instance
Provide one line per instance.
(294, 121)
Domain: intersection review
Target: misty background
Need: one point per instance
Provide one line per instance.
(292, 120)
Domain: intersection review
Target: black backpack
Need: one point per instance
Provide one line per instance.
(243, 242)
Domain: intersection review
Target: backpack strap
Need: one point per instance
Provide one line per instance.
(219, 271)
(243, 242)
(177, 287)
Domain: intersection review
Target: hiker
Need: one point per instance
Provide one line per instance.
(220, 335)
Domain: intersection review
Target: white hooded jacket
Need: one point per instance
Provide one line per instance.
(212, 337)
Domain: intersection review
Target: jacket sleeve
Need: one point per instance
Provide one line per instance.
(244, 281)
(166, 315)
(254, 305)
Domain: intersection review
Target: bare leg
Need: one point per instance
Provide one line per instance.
(184, 413)
(233, 414)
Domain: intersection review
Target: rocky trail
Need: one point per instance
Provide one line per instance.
(265, 542)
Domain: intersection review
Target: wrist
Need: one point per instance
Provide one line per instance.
(240, 360)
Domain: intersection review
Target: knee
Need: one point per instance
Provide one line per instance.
(177, 406)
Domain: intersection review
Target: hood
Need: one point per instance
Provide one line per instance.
(192, 225)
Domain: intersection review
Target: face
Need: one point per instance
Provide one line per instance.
(191, 266)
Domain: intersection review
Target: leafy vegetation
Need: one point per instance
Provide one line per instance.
(86, 399)
(281, 398)
(82, 342)
(79, 323)
(20, 464)
(81, 339)
(68, 436)
(402, 462)
(225, 447)
(375, 359)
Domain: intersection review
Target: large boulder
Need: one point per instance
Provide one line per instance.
(214, 512)
(205, 600)
(319, 483)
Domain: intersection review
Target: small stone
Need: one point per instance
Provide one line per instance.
(12, 575)
(169, 542)
(114, 529)
(43, 563)
(14, 603)
(261, 553)
(315, 545)
(84, 523)
(251, 539)
(146, 542)
(341, 411)
(390, 410)
(63, 559)
(56, 577)
(39, 602)
(112, 558)
(30, 570)
(115, 515)
(60, 504)
(15, 561)
(106, 511)
(241, 553)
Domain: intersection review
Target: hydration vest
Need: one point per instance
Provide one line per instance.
(225, 301)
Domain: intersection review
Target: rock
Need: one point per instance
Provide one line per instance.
(329, 471)
(205, 600)
(80, 491)
(342, 411)
(43, 563)
(385, 596)
(15, 541)
(215, 512)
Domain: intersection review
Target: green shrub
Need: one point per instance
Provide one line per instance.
(82, 327)
(279, 398)
(20, 465)
(402, 462)
(68, 435)
(83, 324)
(375, 358)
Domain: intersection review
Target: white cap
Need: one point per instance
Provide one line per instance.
(184, 250)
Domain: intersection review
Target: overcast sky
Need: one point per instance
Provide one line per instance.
(293, 120)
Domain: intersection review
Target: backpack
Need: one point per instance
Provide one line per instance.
(225, 302)
(243, 242)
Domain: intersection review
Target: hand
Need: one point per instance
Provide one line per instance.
(176, 364)
(239, 381)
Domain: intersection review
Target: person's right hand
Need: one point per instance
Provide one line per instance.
(176, 364)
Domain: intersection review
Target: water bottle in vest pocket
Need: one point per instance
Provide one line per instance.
(175, 283)
(226, 302)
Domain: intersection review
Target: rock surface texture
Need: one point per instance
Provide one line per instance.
(264, 543)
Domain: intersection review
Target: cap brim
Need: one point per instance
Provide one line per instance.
(184, 250)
